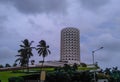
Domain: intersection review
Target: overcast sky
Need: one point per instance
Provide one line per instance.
(97, 20)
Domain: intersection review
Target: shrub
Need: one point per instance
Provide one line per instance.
(83, 64)
(15, 79)
(58, 77)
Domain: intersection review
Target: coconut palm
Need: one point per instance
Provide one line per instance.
(25, 53)
(21, 57)
(43, 50)
(15, 64)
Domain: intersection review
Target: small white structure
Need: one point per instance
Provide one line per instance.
(102, 80)
(71, 62)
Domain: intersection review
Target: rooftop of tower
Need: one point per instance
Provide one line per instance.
(67, 28)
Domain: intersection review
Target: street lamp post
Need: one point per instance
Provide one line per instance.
(93, 52)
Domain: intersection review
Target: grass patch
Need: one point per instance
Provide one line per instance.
(7, 74)
(4, 75)
(86, 68)
(46, 68)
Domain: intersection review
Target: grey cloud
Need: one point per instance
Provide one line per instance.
(7, 55)
(112, 46)
(5, 52)
(93, 4)
(9, 37)
(2, 28)
(110, 43)
(4, 1)
(40, 6)
(2, 19)
(33, 24)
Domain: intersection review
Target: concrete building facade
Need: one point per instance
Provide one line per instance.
(70, 45)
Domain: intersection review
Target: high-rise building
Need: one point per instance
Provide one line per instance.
(70, 45)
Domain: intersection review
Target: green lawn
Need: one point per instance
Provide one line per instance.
(7, 74)
(87, 68)
(4, 75)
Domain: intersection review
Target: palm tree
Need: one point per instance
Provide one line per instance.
(25, 53)
(21, 57)
(43, 50)
(15, 64)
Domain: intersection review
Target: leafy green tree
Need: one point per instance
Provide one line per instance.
(66, 67)
(7, 65)
(25, 53)
(1, 66)
(75, 67)
(32, 62)
(15, 64)
(107, 71)
(83, 64)
(43, 50)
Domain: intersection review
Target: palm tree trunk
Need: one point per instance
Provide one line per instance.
(42, 63)
(28, 65)
(42, 74)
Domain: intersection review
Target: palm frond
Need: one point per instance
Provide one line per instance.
(31, 42)
(17, 55)
(21, 50)
(49, 51)
(17, 59)
(33, 47)
(41, 53)
(21, 45)
(38, 48)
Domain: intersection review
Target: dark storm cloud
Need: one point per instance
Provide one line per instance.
(93, 4)
(40, 6)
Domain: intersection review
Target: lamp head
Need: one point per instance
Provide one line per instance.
(101, 47)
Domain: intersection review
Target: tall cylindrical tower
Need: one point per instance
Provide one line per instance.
(70, 44)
